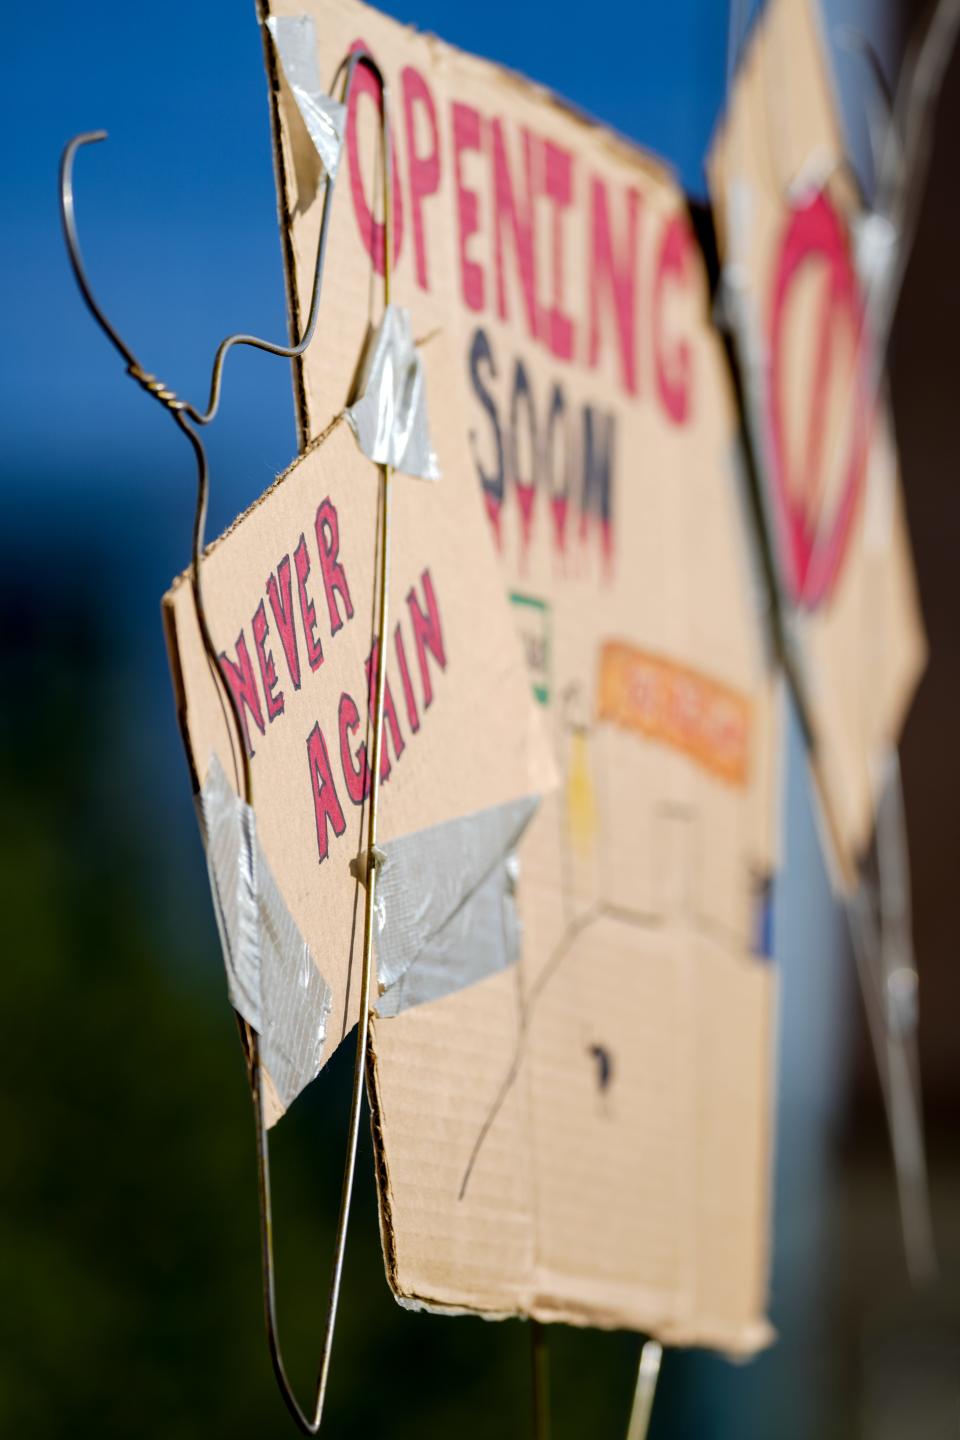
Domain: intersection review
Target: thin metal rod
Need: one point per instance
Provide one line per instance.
(69, 221)
(271, 347)
(311, 1425)
(648, 1371)
(879, 105)
(883, 953)
(864, 943)
(182, 410)
(540, 1378)
(917, 96)
(906, 161)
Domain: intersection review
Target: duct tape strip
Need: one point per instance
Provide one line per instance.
(389, 417)
(229, 836)
(449, 915)
(295, 41)
(271, 975)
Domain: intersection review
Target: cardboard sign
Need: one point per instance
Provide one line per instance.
(289, 594)
(787, 214)
(585, 1137)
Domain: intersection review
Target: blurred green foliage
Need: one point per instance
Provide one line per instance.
(128, 1223)
(129, 1233)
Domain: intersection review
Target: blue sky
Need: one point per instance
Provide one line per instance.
(177, 210)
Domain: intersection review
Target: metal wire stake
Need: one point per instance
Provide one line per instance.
(312, 1425)
(186, 416)
(540, 1375)
(883, 953)
(900, 982)
(648, 1372)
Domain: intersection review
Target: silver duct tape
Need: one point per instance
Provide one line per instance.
(230, 838)
(272, 978)
(389, 417)
(449, 914)
(295, 41)
(481, 938)
(295, 997)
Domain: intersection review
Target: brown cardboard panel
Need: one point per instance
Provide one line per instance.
(289, 592)
(585, 1138)
(620, 1180)
(786, 206)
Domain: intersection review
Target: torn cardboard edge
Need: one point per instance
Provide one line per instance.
(708, 1335)
(185, 575)
(307, 449)
(284, 215)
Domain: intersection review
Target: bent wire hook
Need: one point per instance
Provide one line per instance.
(190, 420)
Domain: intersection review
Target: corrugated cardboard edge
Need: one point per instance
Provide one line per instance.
(285, 217)
(407, 1299)
(308, 449)
(739, 1344)
(168, 617)
(384, 1191)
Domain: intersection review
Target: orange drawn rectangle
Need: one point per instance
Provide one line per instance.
(681, 707)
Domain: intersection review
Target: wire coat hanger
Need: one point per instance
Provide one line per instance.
(190, 419)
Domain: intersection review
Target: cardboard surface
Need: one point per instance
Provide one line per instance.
(585, 1137)
(787, 208)
(289, 592)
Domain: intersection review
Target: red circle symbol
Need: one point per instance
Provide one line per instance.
(814, 528)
